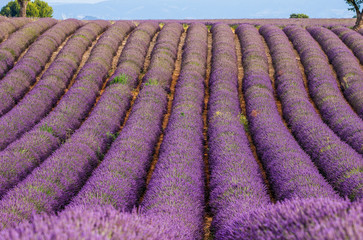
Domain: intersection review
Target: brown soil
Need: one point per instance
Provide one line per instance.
(243, 107)
(175, 77)
(208, 217)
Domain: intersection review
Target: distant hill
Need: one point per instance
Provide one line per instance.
(188, 9)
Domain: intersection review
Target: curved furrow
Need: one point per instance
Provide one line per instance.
(334, 109)
(236, 182)
(176, 189)
(340, 164)
(289, 169)
(120, 178)
(348, 69)
(36, 145)
(18, 80)
(11, 25)
(11, 49)
(50, 186)
(352, 39)
(41, 99)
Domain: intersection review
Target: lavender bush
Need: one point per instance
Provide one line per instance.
(316, 218)
(336, 112)
(235, 179)
(120, 178)
(16, 83)
(96, 222)
(10, 26)
(352, 39)
(338, 162)
(345, 64)
(11, 49)
(20, 157)
(40, 100)
(176, 189)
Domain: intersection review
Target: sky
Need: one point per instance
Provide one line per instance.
(198, 9)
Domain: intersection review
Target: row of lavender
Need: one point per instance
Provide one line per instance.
(37, 144)
(289, 169)
(339, 163)
(11, 49)
(42, 98)
(121, 177)
(345, 63)
(17, 81)
(86, 140)
(323, 88)
(10, 26)
(176, 189)
(236, 183)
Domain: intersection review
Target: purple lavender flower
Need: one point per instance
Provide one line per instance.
(345, 64)
(337, 161)
(11, 49)
(326, 94)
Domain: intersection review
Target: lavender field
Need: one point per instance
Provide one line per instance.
(181, 129)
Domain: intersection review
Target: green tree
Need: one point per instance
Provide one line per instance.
(37, 8)
(298, 15)
(355, 6)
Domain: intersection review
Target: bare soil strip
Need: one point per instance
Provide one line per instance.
(175, 77)
(243, 108)
(208, 217)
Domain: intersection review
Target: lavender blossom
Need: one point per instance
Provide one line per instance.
(10, 26)
(315, 218)
(336, 160)
(335, 110)
(95, 222)
(11, 49)
(41, 99)
(16, 83)
(352, 39)
(345, 64)
(235, 178)
(47, 135)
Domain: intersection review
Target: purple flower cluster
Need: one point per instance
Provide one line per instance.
(96, 223)
(339, 163)
(11, 49)
(120, 178)
(133, 55)
(289, 169)
(316, 218)
(163, 57)
(352, 39)
(16, 83)
(40, 100)
(10, 26)
(346, 65)
(176, 189)
(20, 157)
(326, 94)
(235, 178)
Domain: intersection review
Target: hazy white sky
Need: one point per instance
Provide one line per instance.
(74, 1)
